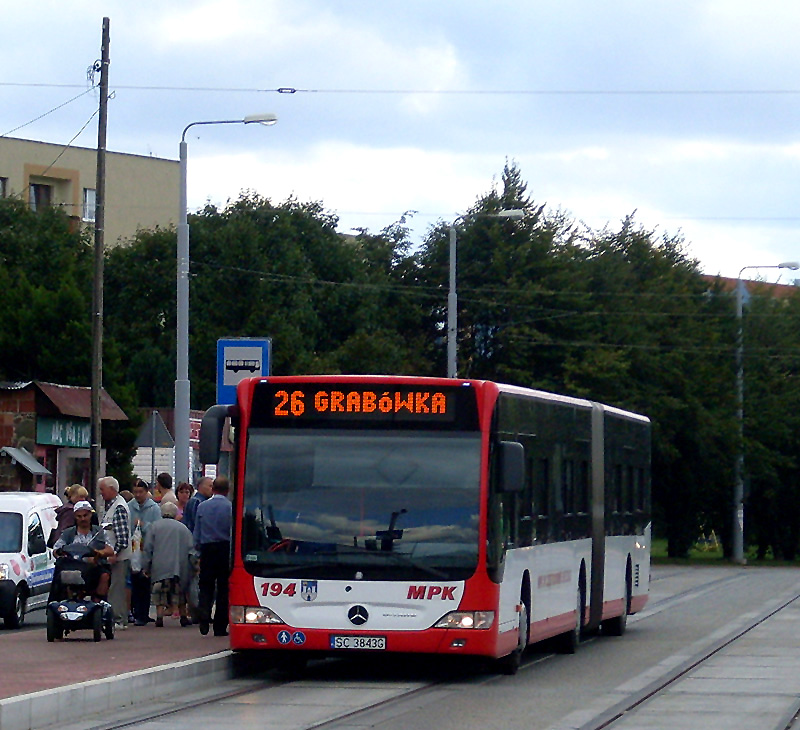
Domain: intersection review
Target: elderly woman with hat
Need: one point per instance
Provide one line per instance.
(85, 533)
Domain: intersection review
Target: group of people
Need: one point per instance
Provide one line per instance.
(155, 549)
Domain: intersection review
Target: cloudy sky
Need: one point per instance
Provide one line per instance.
(685, 111)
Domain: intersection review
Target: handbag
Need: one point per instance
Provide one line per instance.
(136, 549)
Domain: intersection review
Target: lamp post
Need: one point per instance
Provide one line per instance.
(452, 297)
(182, 385)
(737, 552)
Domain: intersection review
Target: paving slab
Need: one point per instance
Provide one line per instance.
(44, 683)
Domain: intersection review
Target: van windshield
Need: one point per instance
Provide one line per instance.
(10, 532)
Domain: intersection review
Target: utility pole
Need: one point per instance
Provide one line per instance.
(99, 246)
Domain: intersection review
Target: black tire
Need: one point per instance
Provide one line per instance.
(108, 628)
(97, 624)
(16, 618)
(568, 643)
(510, 663)
(616, 626)
(54, 630)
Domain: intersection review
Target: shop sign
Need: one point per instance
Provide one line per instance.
(71, 432)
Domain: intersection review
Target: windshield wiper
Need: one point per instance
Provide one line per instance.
(387, 537)
(403, 560)
(368, 556)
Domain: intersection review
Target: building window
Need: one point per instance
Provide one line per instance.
(3, 187)
(41, 196)
(89, 204)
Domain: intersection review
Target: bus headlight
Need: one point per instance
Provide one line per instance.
(4, 571)
(466, 620)
(253, 615)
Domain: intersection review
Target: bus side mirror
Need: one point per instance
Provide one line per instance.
(211, 433)
(512, 467)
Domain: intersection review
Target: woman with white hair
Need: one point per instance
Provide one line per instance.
(168, 546)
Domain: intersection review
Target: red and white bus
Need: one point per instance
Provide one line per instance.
(405, 514)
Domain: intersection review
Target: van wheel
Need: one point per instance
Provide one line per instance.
(16, 618)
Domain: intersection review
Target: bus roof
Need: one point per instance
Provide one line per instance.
(428, 380)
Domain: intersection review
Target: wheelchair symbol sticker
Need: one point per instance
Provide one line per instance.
(285, 637)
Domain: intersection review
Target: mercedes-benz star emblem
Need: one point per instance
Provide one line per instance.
(358, 615)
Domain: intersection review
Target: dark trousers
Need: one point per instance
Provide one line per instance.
(140, 596)
(214, 572)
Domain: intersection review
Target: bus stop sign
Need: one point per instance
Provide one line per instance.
(239, 359)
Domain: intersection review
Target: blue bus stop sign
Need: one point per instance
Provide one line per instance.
(238, 359)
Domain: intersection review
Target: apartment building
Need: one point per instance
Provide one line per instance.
(141, 192)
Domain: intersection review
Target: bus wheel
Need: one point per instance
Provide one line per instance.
(568, 643)
(616, 626)
(510, 663)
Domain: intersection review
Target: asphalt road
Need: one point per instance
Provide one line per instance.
(689, 609)
(33, 620)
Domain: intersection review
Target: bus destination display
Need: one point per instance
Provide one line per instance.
(421, 402)
(295, 403)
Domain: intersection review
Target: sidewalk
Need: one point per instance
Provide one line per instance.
(141, 662)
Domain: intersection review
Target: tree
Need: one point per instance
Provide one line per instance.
(329, 303)
(45, 314)
(46, 282)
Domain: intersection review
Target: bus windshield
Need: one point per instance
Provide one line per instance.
(345, 504)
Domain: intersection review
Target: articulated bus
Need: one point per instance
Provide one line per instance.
(429, 515)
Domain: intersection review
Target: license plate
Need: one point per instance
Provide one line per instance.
(358, 642)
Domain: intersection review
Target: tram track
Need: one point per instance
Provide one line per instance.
(612, 717)
(689, 594)
(651, 684)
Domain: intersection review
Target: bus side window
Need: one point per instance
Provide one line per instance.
(568, 486)
(582, 489)
(542, 499)
(495, 538)
(526, 502)
(614, 489)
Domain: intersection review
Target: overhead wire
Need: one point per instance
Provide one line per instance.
(69, 144)
(433, 92)
(439, 292)
(47, 113)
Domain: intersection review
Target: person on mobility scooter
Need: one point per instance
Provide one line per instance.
(81, 580)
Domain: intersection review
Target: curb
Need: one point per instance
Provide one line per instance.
(50, 706)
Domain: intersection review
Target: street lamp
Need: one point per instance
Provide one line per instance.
(737, 552)
(452, 297)
(182, 385)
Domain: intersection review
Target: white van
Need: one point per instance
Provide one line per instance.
(26, 563)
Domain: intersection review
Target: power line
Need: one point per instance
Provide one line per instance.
(431, 92)
(439, 293)
(68, 144)
(42, 116)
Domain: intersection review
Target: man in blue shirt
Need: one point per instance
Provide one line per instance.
(202, 493)
(212, 537)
